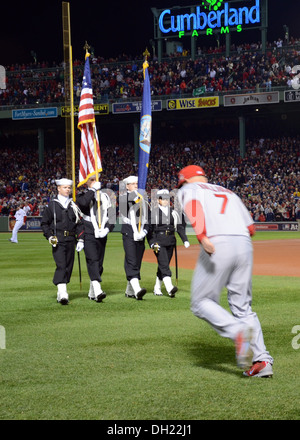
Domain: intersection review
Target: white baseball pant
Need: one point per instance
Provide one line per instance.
(231, 267)
(17, 226)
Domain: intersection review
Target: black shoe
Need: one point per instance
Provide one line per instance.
(64, 301)
(130, 295)
(173, 291)
(140, 294)
(100, 297)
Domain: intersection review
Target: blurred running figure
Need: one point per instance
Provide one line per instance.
(19, 216)
(223, 227)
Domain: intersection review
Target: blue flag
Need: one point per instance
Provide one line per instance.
(145, 132)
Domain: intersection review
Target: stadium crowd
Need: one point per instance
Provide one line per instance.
(248, 68)
(267, 179)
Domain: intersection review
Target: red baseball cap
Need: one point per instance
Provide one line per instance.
(188, 172)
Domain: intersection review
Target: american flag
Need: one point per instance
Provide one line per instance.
(88, 166)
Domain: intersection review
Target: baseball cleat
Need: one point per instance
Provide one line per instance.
(242, 348)
(259, 369)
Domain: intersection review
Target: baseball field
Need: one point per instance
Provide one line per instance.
(140, 360)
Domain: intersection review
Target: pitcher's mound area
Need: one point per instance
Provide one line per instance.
(274, 257)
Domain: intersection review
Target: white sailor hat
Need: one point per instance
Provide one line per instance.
(162, 192)
(130, 179)
(64, 182)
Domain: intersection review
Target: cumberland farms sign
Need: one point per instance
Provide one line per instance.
(211, 15)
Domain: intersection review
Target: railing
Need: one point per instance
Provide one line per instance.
(57, 74)
(105, 100)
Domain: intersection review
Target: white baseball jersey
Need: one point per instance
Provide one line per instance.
(214, 210)
(26, 209)
(19, 215)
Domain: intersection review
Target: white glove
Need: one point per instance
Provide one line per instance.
(138, 236)
(155, 247)
(186, 244)
(103, 233)
(80, 245)
(96, 186)
(144, 233)
(53, 240)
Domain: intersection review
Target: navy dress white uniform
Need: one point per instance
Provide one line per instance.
(165, 222)
(134, 216)
(95, 234)
(223, 226)
(61, 225)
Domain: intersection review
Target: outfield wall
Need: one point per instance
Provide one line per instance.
(33, 224)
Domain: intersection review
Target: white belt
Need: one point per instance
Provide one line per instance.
(87, 218)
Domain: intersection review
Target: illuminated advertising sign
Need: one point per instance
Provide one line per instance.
(211, 15)
(35, 113)
(251, 99)
(99, 109)
(134, 107)
(292, 96)
(193, 103)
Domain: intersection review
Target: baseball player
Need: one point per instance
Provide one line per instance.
(223, 227)
(19, 216)
(61, 224)
(95, 234)
(26, 208)
(165, 221)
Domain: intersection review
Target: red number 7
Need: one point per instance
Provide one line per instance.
(223, 196)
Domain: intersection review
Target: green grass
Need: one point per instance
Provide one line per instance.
(133, 360)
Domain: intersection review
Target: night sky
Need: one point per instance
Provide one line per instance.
(111, 27)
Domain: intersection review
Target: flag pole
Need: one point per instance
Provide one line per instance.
(145, 65)
(87, 54)
(69, 99)
(72, 122)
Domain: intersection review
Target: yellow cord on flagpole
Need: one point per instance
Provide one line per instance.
(145, 63)
(97, 175)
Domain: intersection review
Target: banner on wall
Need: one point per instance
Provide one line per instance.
(193, 103)
(251, 99)
(31, 224)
